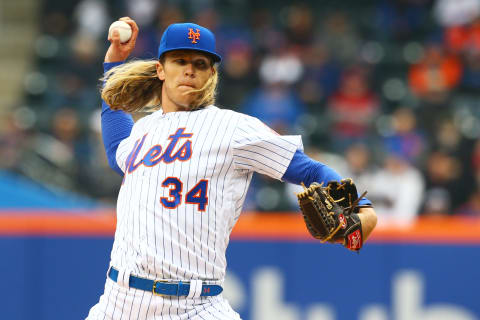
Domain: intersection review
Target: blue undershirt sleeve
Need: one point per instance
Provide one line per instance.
(304, 169)
(116, 126)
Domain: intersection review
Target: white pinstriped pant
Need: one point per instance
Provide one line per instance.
(119, 303)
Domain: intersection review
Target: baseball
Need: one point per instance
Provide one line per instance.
(123, 28)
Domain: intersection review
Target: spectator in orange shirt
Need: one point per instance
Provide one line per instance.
(435, 75)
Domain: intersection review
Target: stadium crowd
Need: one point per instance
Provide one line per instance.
(385, 92)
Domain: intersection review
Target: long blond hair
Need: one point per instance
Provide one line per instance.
(135, 85)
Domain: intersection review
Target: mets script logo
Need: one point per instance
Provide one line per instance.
(157, 153)
(194, 36)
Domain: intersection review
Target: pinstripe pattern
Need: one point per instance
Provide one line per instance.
(173, 238)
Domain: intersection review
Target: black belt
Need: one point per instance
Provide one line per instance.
(163, 287)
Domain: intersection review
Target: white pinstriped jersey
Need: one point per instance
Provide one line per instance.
(186, 177)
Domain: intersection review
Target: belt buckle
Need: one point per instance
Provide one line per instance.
(155, 287)
(155, 282)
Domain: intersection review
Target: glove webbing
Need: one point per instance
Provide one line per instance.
(309, 192)
(355, 203)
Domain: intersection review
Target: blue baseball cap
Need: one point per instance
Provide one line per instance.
(188, 36)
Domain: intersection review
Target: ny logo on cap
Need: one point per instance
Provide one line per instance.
(194, 36)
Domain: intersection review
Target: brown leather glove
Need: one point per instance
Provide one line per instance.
(330, 213)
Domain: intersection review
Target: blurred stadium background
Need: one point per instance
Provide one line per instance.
(384, 91)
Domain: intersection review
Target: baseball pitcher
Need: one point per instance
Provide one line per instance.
(186, 169)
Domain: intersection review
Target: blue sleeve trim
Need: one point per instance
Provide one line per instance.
(303, 169)
(109, 65)
(116, 126)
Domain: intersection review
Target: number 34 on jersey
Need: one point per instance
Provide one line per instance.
(197, 195)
